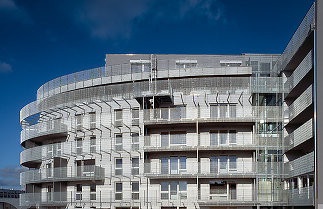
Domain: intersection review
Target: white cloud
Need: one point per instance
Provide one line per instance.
(10, 10)
(109, 19)
(9, 176)
(5, 67)
(115, 18)
(7, 5)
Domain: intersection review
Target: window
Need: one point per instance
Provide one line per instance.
(223, 137)
(49, 170)
(177, 165)
(223, 110)
(135, 190)
(92, 191)
(177, 138)
(118, 142)
(135, 116)
(92, 120)
(230, 63)
(118, 166)
(118, 191)
(135, 166)
(164, 139)
(135, 141)
(183, 64)
(173, 138)
(138, 66)
(232, 136)
(78, 191)
(232, 162)
(223, 163)
(233, 110)
(164, 191)
(79, 145)
(93, 144)
(50, 150)
(213, 164)
(218, 189)
(164, 165)
(118, 117)
(178, 112)
(79, 120)
(182, 187)
(214, 138)
(173, 190)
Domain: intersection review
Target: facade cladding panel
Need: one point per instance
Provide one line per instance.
(176, 131)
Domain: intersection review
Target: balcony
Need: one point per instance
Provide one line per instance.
(300, 72)
(51, 127)
(77, 173)
(227, 141)
(300, 135)
(302, 165)
(63, 149)
(202, 170)
(243, 198)
(298, 39)
(214, 113)
(43, 198)
(301, 103)
(301, 197)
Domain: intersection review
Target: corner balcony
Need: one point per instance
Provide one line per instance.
(53, 127)
(300, 135)
(300, 166)
(77, 173)
(301, 197)
(202, 170)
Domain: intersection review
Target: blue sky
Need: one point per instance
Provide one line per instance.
(43, 39)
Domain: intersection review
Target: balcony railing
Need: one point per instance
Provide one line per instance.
(77, 173)
(302, 165)
(300, 72)
(63, 149)
(191, 114)
(300, 135)
(43, 198)
(56, 126)
(223, 141)
(301, 197)
(301, 103)
(213, 169)
(299, 37)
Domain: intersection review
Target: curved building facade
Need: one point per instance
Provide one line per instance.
(174, 131)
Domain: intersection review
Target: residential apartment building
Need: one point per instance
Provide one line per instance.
(176, 131)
